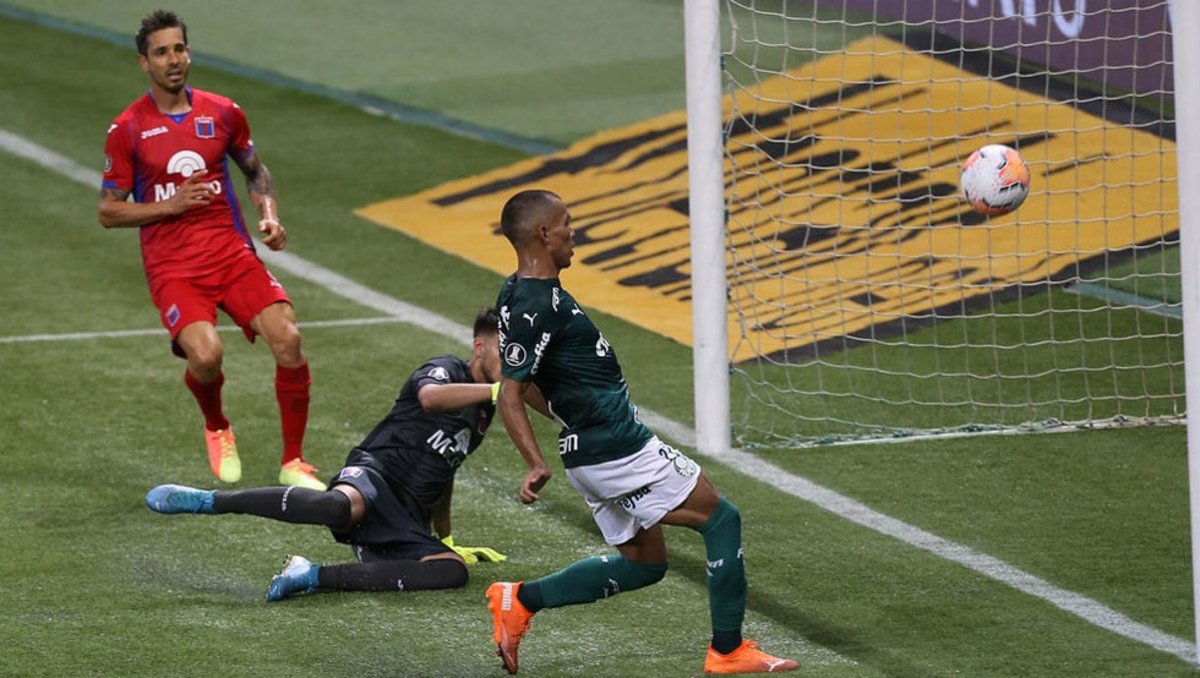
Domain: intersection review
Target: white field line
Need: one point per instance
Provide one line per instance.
(158, 331)
(1079, 605)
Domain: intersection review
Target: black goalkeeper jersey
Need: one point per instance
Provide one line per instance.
(417, 452)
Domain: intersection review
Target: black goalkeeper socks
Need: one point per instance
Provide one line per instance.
(393, 575)
(289, 504)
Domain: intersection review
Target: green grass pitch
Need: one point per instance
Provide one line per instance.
(92, 583)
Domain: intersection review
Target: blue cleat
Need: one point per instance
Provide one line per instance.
(299, 575)
(179, 499)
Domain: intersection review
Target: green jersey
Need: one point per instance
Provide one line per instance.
(547, 339)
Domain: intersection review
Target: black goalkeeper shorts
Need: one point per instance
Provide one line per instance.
(387, 530)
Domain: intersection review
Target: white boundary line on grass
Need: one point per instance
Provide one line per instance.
(1079, 605)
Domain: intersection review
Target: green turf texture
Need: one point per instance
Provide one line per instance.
(543, 69)
(1154, 276)
(95, 584)
(1054, 365)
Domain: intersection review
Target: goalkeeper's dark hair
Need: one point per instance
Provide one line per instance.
(487, 321)
(157, 21)
(520, 211)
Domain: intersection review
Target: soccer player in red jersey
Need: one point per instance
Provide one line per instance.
(169, 150)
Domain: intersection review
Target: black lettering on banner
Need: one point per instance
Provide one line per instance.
(844, 223)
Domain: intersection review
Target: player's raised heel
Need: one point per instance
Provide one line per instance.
(179, 499)
(747, 658)
(300, 473)
(223, 455)
(299, 575)
(510, 621)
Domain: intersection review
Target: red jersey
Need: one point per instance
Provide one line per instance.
(149, 153)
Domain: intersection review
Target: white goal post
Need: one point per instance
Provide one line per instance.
(706, 207)
(1185, 17)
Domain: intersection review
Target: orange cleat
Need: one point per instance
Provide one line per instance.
(223, 455)
(747, 658)
(300, 473)
(510, 621)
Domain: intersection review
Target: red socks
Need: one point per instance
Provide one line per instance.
(291, 390)
(208, 396)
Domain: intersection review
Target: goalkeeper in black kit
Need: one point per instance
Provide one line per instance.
(394, 491)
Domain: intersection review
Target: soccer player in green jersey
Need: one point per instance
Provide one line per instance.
(633, 482)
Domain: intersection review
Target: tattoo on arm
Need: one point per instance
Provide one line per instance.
(120, 195)
(258, 177)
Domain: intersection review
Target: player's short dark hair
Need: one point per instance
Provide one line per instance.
(519, 209)
(157, 21)
(487, 321)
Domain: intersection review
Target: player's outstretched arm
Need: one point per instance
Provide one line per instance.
(452, 397)
(116, 211)
(261, 188)
(511, 404)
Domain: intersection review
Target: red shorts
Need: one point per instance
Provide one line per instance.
(242, 289)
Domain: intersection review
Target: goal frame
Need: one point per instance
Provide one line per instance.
(707, 210)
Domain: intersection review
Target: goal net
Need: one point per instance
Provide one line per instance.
(867, 300)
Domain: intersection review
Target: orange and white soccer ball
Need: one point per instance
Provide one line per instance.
(995, 180)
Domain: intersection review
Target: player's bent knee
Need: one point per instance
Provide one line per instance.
(638, 575)
(456, 575)
(286, 348)
(289, 339)
(725, 516)
(204, 360)
(734, 515)
(333, 507)
(445, 573)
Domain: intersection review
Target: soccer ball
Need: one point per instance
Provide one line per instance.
(995, 180)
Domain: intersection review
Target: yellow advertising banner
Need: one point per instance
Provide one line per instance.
(844, 211)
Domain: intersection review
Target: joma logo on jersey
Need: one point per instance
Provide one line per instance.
(185, 163)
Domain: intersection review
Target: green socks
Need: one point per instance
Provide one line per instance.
(722, 534)
(589, 580)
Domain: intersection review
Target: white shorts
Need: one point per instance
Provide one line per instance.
(635, 492)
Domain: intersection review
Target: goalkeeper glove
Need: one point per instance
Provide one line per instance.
(474, 554)
(495, 392)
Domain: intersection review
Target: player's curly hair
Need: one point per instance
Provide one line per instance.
(157, 21)
(487, 321)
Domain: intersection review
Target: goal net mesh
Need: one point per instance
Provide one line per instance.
(867, 299)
